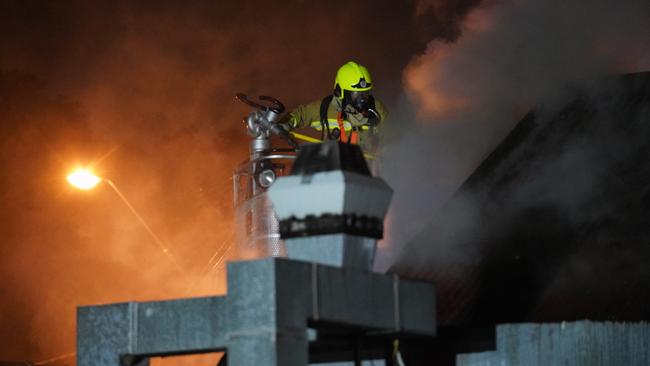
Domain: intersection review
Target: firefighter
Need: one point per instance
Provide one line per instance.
(351, 114)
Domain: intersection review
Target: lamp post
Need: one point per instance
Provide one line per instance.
(84, 179)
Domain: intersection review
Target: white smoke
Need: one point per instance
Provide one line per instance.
(468, 94)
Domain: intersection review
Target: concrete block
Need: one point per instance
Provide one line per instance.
(269, 301)
(321, 200)
(356, 298)
(263, 319)
(340, 250)
(104, 333)
(479, 359)
(295, 294)
(251, 301)
(582, 343)
(417, 307)
(305, 291)
(331, 192)
(363, 363)
(267, 351)
(181, 326)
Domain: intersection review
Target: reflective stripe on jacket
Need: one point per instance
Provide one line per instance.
(308, 115)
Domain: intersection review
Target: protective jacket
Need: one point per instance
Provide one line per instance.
(355, 125)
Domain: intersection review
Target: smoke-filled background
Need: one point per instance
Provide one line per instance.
(511, 56)
(465, 96)
(143, 92)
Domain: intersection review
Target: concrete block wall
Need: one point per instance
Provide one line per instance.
(581, 343)
(263, 321)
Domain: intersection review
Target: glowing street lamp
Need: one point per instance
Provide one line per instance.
(85, 180)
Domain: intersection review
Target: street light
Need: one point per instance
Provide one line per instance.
(85, 180)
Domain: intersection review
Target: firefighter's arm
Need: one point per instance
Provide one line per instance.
(302, 116)
(376, 119)
(376, 113)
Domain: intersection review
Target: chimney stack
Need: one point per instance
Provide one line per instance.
(331, 209)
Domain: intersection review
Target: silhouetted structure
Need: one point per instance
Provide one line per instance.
(554, 224)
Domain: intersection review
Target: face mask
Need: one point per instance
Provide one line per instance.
(361, 101)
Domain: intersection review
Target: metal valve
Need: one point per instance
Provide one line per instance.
(263, 120)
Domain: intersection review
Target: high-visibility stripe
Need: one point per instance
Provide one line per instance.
(334, 124)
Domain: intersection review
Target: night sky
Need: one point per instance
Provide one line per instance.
(142, 92)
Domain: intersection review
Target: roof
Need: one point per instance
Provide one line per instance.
(555, 223)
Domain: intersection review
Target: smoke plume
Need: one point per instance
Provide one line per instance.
(468, 94)
(143, 93)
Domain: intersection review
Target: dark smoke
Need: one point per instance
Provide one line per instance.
(511, 56)
(143, 92)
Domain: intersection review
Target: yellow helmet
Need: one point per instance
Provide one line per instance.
(352, 77)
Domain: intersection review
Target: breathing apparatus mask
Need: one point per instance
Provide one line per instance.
(361, 101)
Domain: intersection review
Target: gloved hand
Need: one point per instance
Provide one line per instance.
(373, 117)
(370, 112)
(283, 133)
